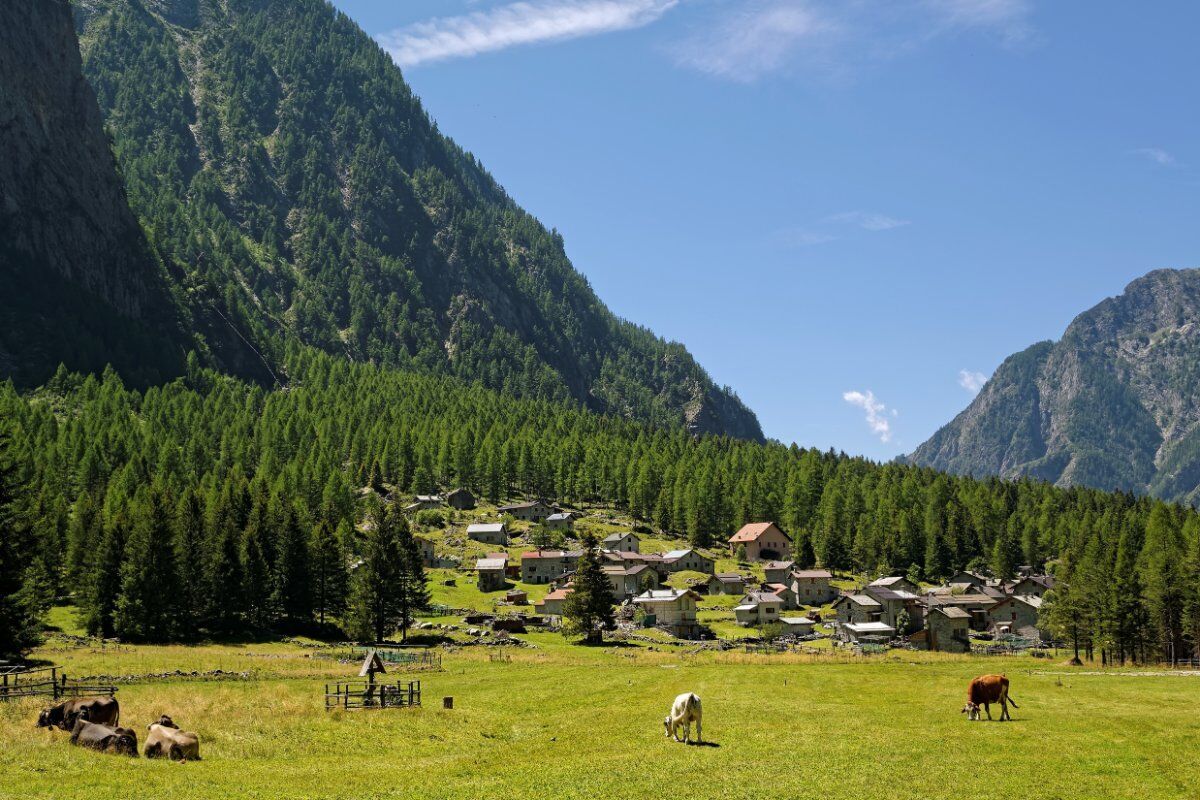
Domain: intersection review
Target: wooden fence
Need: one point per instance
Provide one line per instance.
(362, 694)
(18, 682)
(408, 657)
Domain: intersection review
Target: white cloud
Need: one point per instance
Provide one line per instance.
(877, 412)
(1157, 155)
(971, 381)
(1009, 18)
(832, 37)
(867, 220)
(517, 24)
(749, 43)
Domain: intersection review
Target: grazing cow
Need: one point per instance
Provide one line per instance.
(105, 738)
(165, 739)
(684, 712)
(101, 710)
(985, 690)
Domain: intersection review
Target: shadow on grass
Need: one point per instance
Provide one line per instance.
(704, 744)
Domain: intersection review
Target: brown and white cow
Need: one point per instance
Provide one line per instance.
(684, 711)
(985, 690)
(165, 739)
(100, 710)
(105, 738)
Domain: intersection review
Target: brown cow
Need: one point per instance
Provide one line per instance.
(105, 738)
(165, 739)
(101, 710)
(985, 690)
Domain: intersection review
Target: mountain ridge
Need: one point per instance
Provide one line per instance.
(1111, 405)
(300, 191)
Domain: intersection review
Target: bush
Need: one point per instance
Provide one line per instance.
(432, 518)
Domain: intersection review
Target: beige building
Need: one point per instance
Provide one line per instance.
(758, 608)
(488, 533)
(813, 587)
(673, 609)
(764, 541)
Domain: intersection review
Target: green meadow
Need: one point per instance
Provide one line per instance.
(563, 721)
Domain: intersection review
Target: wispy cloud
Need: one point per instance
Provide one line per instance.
(971, 381)
(516, 24)
(867, 220)
(1008, 18)
(877, 412)
(832, 227)
(832, 37)
(1157, 155)
(748, 43)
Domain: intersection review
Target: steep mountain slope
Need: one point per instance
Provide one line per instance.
(1114, 404)
(80, 284)
(280, 162)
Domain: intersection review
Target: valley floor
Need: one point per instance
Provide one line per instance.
(565, 721)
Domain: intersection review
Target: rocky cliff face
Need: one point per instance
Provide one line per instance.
(80, 283)
(1114, 404)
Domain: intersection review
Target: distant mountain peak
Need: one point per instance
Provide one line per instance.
(1114, 404)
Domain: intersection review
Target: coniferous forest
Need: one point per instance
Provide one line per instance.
(248, 502)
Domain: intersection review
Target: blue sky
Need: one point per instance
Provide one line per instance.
(850, 212)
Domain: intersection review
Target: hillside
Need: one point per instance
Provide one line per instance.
(1114, 404)
(299, 191)
(81, 285)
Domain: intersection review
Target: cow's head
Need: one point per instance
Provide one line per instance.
(971, 710)
(123, 742)
(46, 718)
(167, 722)
(667, 724)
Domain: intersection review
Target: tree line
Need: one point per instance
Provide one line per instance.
(253, 489)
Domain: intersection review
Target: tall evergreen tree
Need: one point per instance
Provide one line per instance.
(148, 607)
(377, 600)
(18, 620)
(330, 580)
(588, 609)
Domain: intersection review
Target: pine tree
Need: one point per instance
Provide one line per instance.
(330, 579)
(588, 609)
(18, 620)
(377, 599)
(100, 600)
(148, 607)
(293, 575)
(414, 596)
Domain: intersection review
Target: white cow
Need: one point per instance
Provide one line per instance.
(684, 712)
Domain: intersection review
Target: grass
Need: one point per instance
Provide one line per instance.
(571, 722)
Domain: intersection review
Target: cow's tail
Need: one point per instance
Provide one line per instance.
(1010, 699)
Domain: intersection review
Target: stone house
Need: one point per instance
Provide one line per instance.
(812, 586)
(531, 511)
(777, 571)
(976, 605)
(673, 609)
(544, 566)
(784, 593)
(1032, 586)
(428, 553)
(618, 542)
(857, 608)
(488, 533)
(797, 626)
(764, 541)
(758, 608)
(948, 629)
(491, 572)
(630, 581)
(1017, 615)
(726, 583)
(866, 632)
(560, 521)
(677, 560)
(895, 582)
(552, 603)
(901, 609)
(461, 499)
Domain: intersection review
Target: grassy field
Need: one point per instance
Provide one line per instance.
(565, 721)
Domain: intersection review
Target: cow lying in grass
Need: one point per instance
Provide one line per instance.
(165, 739)
(100, 710)
(684, 712)
(985, 690)
(105, 738)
